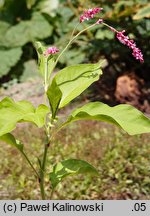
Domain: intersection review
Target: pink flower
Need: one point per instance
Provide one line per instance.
(99, 21)
(51, 50)
(131, 44)
(89, 14)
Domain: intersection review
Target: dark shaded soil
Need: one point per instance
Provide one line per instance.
(127, 88)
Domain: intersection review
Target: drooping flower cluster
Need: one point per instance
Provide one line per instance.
(131, 44)
(136, 52)
(89, 14)
(51, 50)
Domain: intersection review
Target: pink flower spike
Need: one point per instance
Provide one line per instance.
(99, 21)
(89, 14)
(131, 44)
(51, 50)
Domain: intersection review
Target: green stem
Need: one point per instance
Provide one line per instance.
(113, 29)
(70, 42)
(46, 146)
(46, 74)
(75, 11)
(31, 165)
(43, 166)
(42, 172)
(74, 30)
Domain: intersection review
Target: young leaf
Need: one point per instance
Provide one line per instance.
(13, 112)
(54, 98)
(70, 167)
(42, 60)
(71, 82)
(10, 139)
(125, 116)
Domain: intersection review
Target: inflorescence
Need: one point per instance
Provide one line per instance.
(89, 14)
(51, 50)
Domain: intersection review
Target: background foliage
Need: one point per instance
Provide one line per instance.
(52, 21)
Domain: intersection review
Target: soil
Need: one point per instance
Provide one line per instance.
(126, 88)
(31, 90)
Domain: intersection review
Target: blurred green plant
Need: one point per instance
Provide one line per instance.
(21, 24)
(52, 21)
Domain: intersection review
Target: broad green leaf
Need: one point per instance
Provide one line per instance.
(48, 6)
(71, 82)
(70, 167)
(2, 3)
(40, 27)
(28, 31)
(23, 111)
(30, 71)
(3, 29)
(142, 13)
(72, 57)
(30, 3)
(125, 116)
(8, 58)
(10, 139)
(38, 116)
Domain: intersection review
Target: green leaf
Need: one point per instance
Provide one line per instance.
(103, 34)
(30, 3)
(40, 27)
(38, 116)
(30, 71)
(142, 13)
(8, 58)
(2, 3)
(28, 31)
(71, 82)
(125, 116)
(10, 139)
(72, 56)
(70, 167)
(48, 6)
(23, 111)
(42, 60)
(54, 98)
(3, 29)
